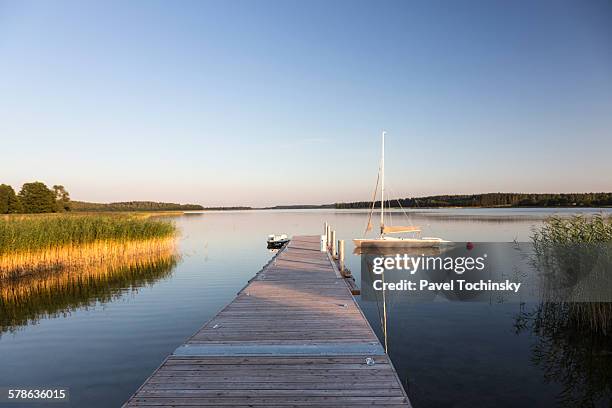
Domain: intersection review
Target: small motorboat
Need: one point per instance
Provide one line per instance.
(277, 240)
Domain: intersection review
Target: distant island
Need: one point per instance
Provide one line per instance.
(298, 207)
(231, 208)
(133, 206)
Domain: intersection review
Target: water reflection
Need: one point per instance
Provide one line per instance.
(574, 345)
(382, 251)
(570, 351)
(26, 300)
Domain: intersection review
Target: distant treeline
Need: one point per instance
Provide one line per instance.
(133, 206)
(494, 200)
(36, 197)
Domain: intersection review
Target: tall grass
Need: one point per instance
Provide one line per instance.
(31, 298)
(575, 257)
(573, 337)
(34, 243)
(574, 230)
(29, 233)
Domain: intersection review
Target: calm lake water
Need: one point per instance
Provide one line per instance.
(103, 336)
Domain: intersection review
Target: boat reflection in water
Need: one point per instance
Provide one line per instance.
(391, 251)
(28, 299)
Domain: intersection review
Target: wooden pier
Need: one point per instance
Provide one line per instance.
(293, 337)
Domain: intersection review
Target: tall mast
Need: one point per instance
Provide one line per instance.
(382, 229)
(382, 184)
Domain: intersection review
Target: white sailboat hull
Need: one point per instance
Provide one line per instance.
(390, 242)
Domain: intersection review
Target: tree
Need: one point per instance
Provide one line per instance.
(36, 197)
(62, 198)
(9, 203)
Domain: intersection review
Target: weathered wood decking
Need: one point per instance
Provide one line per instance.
(293, 337)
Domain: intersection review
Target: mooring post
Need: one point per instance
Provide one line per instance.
(328, 235)
(325, 229)
(333, 243)
(341, 255)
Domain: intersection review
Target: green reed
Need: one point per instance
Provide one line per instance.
(577, 229)
(575, 257)
(40, 232)
(572, 338)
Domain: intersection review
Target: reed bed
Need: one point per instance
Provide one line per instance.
(50, 294)
(31, 244)
(574, 230)
(575, 256)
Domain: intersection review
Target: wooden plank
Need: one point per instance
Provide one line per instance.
(272, 402)
(280, 349)
(294, 336)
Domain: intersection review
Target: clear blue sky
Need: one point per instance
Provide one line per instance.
(261, 102)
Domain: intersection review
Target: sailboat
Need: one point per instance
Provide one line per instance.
(385, 241)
